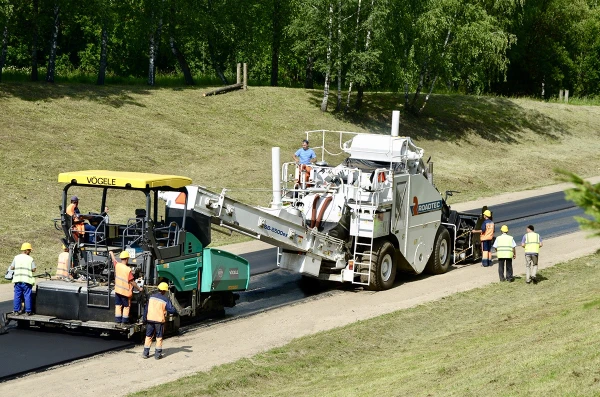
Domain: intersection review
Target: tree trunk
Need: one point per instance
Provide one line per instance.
(103, 52)
(360, 89)
(34, 42)
(181, 60)
(276, 42)
(151, 59)
(4, 48)
(185, 68)
(308, 80)
(328, 66)
(419, 86)
(406, 103)
(436, 76)
(215, 62)
(356, 48)
(52, 57)
(338, 105)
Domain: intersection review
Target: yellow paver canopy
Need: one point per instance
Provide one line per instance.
(135, 180)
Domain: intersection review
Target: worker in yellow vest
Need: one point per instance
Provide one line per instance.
(124, 285)
(62, 267)
(155, 317)
(506, 252)
(487, 235)
(23, 267)
(531, 242)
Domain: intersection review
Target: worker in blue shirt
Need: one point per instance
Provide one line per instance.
(304, 157)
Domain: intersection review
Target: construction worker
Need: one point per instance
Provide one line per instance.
(531, 242)
(155, 317)
(24, 267)
(80, 228)
(62, 268)
(506, 252)
(487, 235)
(124, 285)
(304, 157)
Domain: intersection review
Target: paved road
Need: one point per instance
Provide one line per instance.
(30, 350)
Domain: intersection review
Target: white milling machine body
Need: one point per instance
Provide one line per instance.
(375, 213)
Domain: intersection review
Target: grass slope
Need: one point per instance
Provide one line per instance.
(507, 339)
(481, 146)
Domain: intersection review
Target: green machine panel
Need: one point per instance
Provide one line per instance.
(183, 272)
(224, 271)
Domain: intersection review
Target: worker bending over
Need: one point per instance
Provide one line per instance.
(155, 317)
(62, 267)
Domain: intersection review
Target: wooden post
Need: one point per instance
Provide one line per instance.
(560, 95)
(245, 76)
(567, 96)
(239, 73)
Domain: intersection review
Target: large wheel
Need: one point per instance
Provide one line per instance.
(439, 262)
(383, 265)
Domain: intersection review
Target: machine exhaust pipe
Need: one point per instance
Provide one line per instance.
(275, 158)
(395, 122)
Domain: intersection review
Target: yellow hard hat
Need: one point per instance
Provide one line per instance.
(124, 255)
(504, 229)
(163, 286)
(487, 213)
(25, 246)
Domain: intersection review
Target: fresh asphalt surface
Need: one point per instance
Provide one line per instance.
(30, 350)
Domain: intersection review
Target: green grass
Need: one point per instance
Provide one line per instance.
(480, 146)
(506, 339)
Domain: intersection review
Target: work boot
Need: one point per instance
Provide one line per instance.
(16, 313)
(159, 356)
(146, 353)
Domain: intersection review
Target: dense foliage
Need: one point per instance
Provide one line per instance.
(514, 47)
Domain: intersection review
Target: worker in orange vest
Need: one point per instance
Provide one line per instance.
(487, 235)
(124, 285)
(62, 268)
(155, 317)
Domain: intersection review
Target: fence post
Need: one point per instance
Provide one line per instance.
(245, 76)
(567, 96)
(239, 73)
(560, 95)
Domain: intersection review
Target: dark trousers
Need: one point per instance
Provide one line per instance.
(22, 292)
(509, 271)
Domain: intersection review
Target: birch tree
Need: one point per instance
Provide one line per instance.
(6, 10)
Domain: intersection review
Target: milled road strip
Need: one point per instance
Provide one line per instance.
(204, 348)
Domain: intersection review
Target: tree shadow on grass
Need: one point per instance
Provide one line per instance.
(110, 95)
(453, 118)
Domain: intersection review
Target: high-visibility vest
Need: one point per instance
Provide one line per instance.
(532, 243)
(78, 231)
(62, 268)
(488, 233)
(504, 246)
(70, 209)
(157, 308)
(122, 286)
(23, 272)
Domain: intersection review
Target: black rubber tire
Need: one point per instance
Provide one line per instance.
(383, 265)
(439, 262)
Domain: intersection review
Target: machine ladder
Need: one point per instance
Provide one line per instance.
(362, 266)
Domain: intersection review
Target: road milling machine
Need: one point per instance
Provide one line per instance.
(164, 244)
(361, 221)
